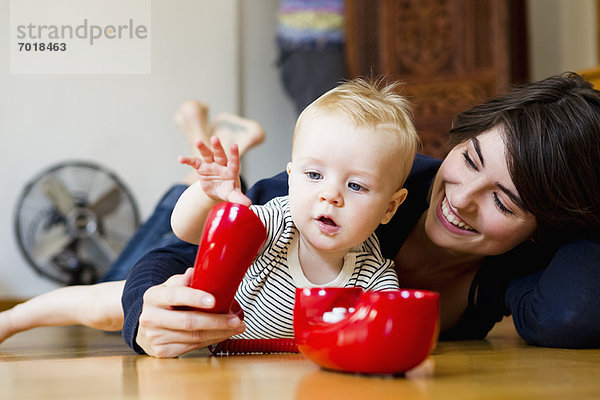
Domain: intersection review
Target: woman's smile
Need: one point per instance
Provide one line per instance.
(450, 221)
(452, 217)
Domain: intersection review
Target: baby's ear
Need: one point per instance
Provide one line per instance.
(397, 198)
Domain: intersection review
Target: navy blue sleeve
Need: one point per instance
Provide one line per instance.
(152, 269)
(559, 307)
(266, 189)
(175, 257)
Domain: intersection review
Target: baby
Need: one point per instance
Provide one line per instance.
(352, 150)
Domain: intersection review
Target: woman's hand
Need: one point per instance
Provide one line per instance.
(167, 328)
(219, 175)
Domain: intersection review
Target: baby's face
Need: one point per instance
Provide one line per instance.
(341, 182)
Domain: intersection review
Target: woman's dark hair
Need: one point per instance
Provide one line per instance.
(552, 134)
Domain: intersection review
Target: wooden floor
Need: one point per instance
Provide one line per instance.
(80, 363)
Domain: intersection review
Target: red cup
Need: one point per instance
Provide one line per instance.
(232, 236)
(385, 332)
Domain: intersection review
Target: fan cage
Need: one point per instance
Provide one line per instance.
(86, 182)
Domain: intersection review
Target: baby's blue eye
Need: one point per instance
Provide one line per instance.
(354, 186)
(313, 175)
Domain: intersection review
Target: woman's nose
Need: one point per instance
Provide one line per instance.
(464, 196)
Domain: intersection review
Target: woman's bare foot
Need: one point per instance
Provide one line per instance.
(192, 118)
(231, 128)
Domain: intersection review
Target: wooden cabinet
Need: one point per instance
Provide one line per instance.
(452, 54)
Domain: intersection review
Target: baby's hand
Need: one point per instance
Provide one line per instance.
(219, 176)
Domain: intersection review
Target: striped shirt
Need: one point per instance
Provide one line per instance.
(267, 291)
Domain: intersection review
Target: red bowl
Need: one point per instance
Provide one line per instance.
(384, 332)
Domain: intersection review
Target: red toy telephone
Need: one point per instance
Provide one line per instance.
(232, 236)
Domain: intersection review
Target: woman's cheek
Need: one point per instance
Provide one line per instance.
(503, 237)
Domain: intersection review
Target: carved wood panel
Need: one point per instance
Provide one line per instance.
(452, 54)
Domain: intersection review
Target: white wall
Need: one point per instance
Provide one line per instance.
(263, 96)
(562, 36)
(198, 51)
(124, 122)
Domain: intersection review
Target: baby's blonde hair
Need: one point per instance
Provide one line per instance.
(372, 103)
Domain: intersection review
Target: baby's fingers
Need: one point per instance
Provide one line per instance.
(234, 159)
(219, 154)
(205, 151)
(193, 162)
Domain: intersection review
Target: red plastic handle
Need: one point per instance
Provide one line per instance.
(232, 236)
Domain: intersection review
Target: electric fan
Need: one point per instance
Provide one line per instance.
(73, 220)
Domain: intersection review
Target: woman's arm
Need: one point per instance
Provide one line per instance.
(157, 266)
(152, 269)
(162, 319)
(559, 307)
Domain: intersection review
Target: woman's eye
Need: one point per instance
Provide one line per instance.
(355, 186)
(313, 175)
(469, 161)
(501, 206)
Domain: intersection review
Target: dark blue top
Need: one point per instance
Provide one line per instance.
(551, 294)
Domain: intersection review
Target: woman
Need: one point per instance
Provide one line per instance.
(508, 223)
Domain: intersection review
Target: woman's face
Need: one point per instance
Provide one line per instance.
(475, 207)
